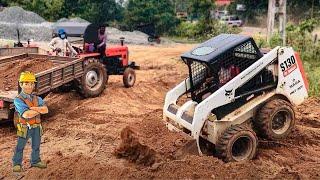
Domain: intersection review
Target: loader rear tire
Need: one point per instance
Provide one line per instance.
(237, 143)
(129, 77)
(93, 81)
(275, 120)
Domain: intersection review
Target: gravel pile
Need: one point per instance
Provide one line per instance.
(135, 37)
(76, 19)
(30, 25)
(37, 32)
(33, 26)
(18, 15)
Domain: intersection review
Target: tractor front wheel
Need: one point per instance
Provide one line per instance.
(129, 77)
(93, 80)
(237, 143)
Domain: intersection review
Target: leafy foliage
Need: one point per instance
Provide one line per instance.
(91, 10)
(202, 8)
(160, 13)
(301, 39)
(202, 31)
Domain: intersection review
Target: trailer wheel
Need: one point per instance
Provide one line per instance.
(275, 120)
(93, 81)
(129, 77)
(237, 143)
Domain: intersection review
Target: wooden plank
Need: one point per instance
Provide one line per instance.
(60, 67)
(18, 50)
(4, 113)
(14, 58)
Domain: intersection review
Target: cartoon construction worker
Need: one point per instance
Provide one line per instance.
(29, 108)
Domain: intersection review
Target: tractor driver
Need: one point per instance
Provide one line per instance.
(102, 40)
(60, 44)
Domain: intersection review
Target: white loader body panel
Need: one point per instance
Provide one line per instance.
(291, 84)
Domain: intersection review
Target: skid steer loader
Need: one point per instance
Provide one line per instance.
(235, 93)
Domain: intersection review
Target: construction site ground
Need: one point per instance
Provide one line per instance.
(121, 134)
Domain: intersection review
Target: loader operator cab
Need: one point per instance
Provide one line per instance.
(218, 60)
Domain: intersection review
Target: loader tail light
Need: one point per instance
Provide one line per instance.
(1, 104)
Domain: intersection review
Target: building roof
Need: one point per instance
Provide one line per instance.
(222, 2)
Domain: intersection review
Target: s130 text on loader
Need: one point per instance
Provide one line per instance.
(236, 92)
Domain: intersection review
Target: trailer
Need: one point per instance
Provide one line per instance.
(87, 75)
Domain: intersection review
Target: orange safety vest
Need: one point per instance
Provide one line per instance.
(33, 103)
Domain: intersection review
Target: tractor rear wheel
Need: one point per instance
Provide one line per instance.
(237, 143)
(129, 77)
(93, 81)
(275, 120)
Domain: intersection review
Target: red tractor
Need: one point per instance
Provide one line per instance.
(98, 67)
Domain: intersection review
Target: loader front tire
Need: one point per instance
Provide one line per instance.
(93, 81)
(237, 143)
(275, 120)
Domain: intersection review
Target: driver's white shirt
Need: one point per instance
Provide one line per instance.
(63, 44)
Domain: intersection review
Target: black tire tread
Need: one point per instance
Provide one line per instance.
(223, 141)
(261, 123)
(125, 77)
(81, 90)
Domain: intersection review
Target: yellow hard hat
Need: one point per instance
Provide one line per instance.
(27, 77)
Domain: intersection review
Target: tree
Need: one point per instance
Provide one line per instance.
(96, 11)
(296, 9)
(253, 8)
(202, 8)
(48, 9)
(160, 13)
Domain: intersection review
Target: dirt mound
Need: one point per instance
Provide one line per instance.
(132, 149)
(82, 135)
(10, 72)
(149, 141)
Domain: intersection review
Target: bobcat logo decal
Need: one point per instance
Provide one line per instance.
(228, 92)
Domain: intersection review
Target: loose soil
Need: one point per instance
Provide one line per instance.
(121, 135)
(9, 73)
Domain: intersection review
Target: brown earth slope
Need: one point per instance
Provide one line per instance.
(81, 135)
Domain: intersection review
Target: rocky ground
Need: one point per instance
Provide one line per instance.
(85, 138)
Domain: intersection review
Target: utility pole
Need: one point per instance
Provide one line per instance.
(277, 7)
